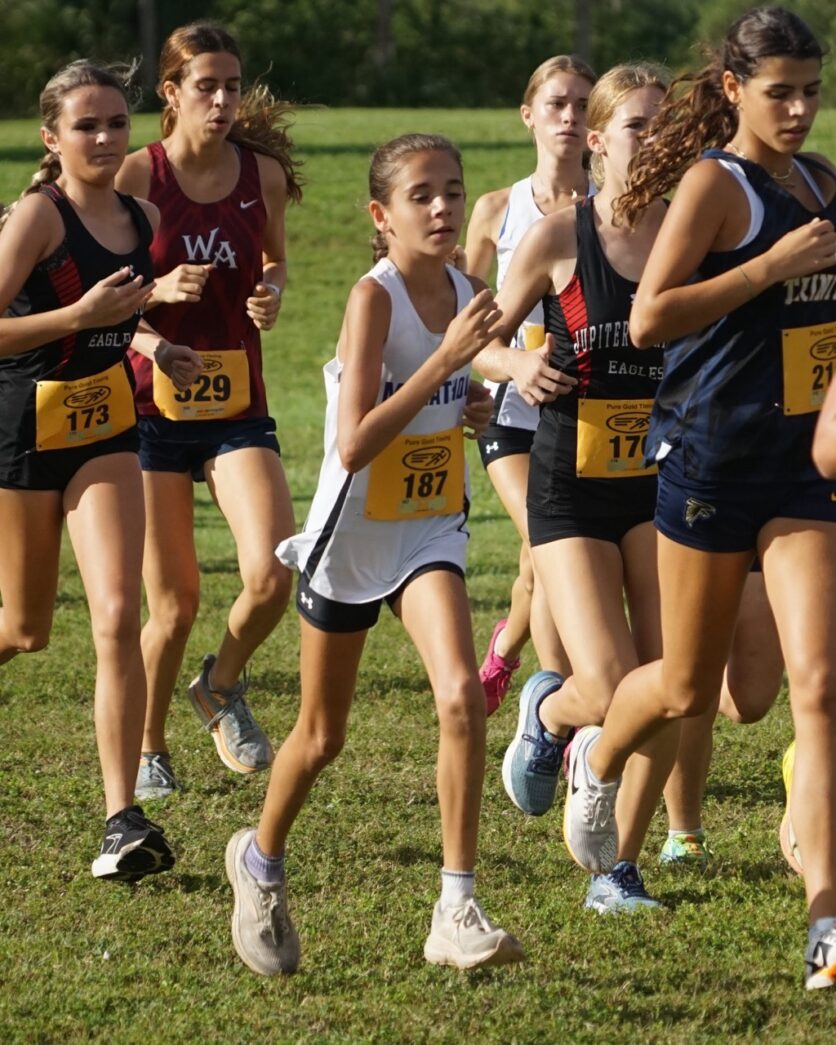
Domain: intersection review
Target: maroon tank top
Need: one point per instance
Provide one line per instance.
(229, 235)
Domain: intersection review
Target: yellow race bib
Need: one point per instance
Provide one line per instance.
(417, 476)
(612, 434)
(809, 360)
(84, 411)
(221, 389)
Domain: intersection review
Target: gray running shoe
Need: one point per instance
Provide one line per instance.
(241, 742)
(155, 778)
(531, 767)
(589, 827)
(464, 937)
(262, 931)
(620, 890)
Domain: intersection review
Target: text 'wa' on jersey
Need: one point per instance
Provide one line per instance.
(228, 235)
(345, 554)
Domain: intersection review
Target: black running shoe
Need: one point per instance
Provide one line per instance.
(133, 847)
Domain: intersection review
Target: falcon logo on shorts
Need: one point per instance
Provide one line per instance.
(696, 510)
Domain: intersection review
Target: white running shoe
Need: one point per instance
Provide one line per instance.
(263, 934)
(820, 961)
(589, 827)
(466, 938)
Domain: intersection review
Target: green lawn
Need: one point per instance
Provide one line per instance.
(83, 960)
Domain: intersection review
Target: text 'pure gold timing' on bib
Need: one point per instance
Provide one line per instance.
(221, 390)
(808, 356)
(81, 412)
(417, 476)
(612, 438)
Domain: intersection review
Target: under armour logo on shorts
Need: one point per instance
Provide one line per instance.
(306, 600)
(491, 446)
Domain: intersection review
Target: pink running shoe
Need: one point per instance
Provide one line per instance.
(495, 673)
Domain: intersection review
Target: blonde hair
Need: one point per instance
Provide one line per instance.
(559, 63)
(81, 73)
(262, 121)
(385, 167)
(611, 90)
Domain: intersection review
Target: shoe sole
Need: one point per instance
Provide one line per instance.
(239, 839)
(513, 747)
(134, 864)
(607, 865)
(507, 951)
(225, 755)
(787, 848)
(822, 978)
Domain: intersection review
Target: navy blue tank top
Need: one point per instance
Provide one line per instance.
(723, 393)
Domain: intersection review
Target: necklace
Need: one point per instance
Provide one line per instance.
(783, 179)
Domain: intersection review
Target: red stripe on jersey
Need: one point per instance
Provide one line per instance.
(573, 305)
(66, 282)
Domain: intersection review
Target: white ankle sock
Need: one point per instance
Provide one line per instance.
(456, 887)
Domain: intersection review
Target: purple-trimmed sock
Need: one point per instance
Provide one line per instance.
(269, 869)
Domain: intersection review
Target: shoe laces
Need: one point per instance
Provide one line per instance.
(546, 757)
(471, 915)
(160, 767)
(134, 817)
(628, 879)
(274, 909)
(235, 706)
(598, 808)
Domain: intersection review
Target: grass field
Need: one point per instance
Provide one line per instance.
(82, 960)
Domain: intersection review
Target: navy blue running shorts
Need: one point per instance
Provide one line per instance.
(503, 441)
(188, 446)
(329, 615)
(727, 516)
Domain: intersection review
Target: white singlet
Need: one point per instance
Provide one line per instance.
(344, 555)
(511, 410)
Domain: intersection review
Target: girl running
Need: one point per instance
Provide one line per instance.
(222, 176)
(554, 110)
(741, 280)
(75, 272)
(590, 499)
(388, 523)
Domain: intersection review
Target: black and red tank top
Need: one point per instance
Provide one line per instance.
(588, 319)
(229, 235)
(76, 265)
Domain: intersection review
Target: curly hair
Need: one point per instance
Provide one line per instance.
(696, 114)
(262, 121)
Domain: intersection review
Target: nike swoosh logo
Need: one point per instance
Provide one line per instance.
(248, 204)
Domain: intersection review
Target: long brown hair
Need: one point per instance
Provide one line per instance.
(262, 121)
(81, 73)
(697, 114)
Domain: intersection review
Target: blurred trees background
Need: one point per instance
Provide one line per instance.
(373, 52)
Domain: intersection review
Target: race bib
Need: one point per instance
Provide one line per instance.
(612, 434)
(84, 411)
(809, 359)
(417, 476)
(221, 389)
